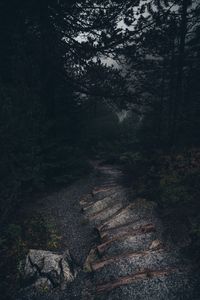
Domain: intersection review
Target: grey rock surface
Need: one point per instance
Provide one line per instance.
(45, 268)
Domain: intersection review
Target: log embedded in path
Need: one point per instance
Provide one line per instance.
(131, 260)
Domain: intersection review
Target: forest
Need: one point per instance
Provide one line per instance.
(114, 81)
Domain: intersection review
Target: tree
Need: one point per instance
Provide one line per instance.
(46, 45)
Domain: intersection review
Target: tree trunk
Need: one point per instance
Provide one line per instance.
(161, 106)
(47, 70)
(179, 81)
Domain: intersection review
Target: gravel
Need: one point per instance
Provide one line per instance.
(63, 209)
(160, 274)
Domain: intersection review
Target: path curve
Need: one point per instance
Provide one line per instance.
(131, 260)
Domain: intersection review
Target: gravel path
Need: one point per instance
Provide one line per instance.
(63, 209)
(132, 258)
(125, 257)
(77, 234)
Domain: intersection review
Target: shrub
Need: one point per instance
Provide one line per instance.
(135, 162)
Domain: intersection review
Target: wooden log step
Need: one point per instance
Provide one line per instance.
(104, 188)
(91, 258)
(111, 176)
(139, 209)
(107, 192)
(108, 183)
(110, 170)
(105, 214)
(104, 203)
(126, 264)
(84, 204)
(142, 275)
(136, 228)
(128, 244)
(108, 179)
(97, 206)
(163, 284)
(101, 189)
(86, 200)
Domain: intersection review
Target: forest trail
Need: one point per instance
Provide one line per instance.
(131, 260)
(117, 243)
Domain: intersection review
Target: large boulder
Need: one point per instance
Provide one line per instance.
(46, 270)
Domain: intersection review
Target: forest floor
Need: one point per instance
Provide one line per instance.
(50, 221)
(125, 257)
(61, 211)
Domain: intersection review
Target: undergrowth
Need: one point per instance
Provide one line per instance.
(15, 241)
(172, 180)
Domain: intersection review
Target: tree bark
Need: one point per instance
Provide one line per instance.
(179, 81)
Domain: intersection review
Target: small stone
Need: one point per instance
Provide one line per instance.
(156, 244)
